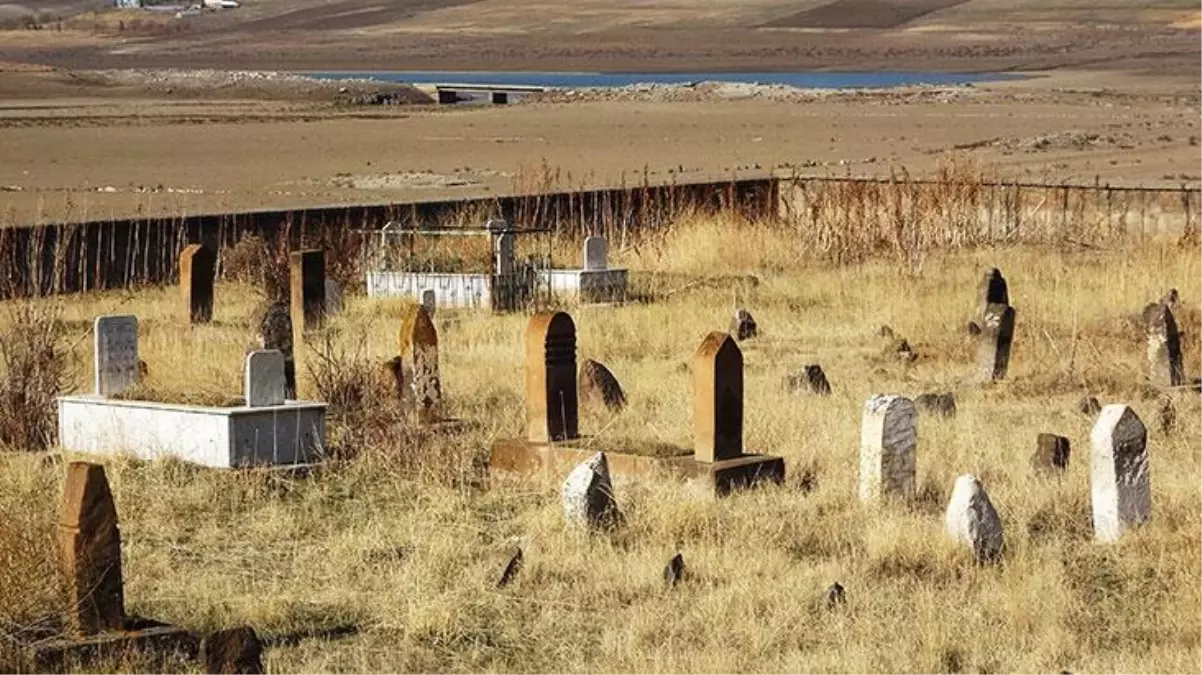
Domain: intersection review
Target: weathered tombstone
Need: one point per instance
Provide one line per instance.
(116, 353)
(1089, 406)
(588, 495)
(308, 284)
(265, 383)
(197, 270)
(972, 519)
(90, 552)
(943, 405)
(419, 361)
(836, 595)
(674, 570)
(503, 254)
(717, 399)
(992, 290)
(993, 350)
(275, 333)
(333, 297)
(743, 325)
(597, 383)
(1167, 414)
(888, 438)
(236, 651)
(1119, 482)
(551, 398)
(595, 253)
(1164, 348)
(811, 379)
(429, 301)
(1051, 453)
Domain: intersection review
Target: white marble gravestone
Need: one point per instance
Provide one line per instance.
(972, 520)
(116, 353)
(888, 438)
(1119, 483)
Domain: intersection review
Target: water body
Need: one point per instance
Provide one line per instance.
(806, 80)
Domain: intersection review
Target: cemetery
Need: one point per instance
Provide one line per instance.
(578, 483)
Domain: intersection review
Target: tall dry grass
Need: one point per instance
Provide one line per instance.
(398, 546)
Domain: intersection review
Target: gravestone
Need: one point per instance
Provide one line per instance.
(419, 361)
(992, 290)
(943, 405)
(1089, 406)
(717, 399)
(588, 495)
(972, 520)
(551, 398)
(429, 301)
(1164, 347)
(888, 439)
(674, 570)
(743, 325)
(333, 298)
(236, 651)
(1119, 481)
(993, 347)
(597, 383)
(197, 271)
(90, 552)
(503, 255)
(811, 379)
(1051, 453)
(115, 353)
(275, 333)
(308, 283)
(836, 595)
(595, 253)
(265, 382)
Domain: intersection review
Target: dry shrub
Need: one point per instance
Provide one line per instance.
(36, 372)
(260, 264)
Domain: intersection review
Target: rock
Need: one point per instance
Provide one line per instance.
(885, 331)
(1167, 413)
(588, 495)
(511, 569)
(903, 351)
(835, 595)
(743, 326)
(1089, 406)
(597, 383)
(1051, 453)
(232, 652)
(972, 519)
(811, 379)
(973, 328)
(943, 405)
(674, 571)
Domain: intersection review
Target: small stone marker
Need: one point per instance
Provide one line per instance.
(511, 569)
(429, 301)
(1089, 406)
(1164, 348)
(419, 361)
(943, 405)
(992, 290)
(275, 333)
(674, 571)
(835, 595)
(743, 326)
(972, 519)
(116, 353)
(888, 438)
(503, 254)
(1167, 414)
(197, 271)
(552, 412)
(588, 495)
(597, 383)
(90, 552)
(1051, 453)
(1119, 481)
(333, 298)
(265, 382)
(595, 253)
(236, 651)
(717, 399)
(308, 284)
(811, 379)
(993, 350)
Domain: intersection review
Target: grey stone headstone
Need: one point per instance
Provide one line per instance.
(1164, 347)
(1119, 481)
(888, 439)
(992, 290)
(333, 297)
(116, 353)
(265, 383)
(972, 520)
(503, 254)
(811, 379)
(993, 348)
(429, 301)
(588, 495)
(595, 253)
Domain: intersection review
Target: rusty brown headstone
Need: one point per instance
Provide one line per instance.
(197, 269)
(308, 284)
(236, 651)
(419, 361)
(551, 403)
(90, 552)
(718, 399)
(1164, 347)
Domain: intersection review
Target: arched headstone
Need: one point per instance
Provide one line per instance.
(551, 399)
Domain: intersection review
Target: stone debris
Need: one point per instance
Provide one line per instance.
(588, 496)
(811, 380)
(674, 571)
(743, 326)
(972, 520)
(943, 405)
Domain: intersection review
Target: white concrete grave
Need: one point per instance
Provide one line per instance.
(595, 281)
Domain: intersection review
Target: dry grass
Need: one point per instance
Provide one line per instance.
(404, 539)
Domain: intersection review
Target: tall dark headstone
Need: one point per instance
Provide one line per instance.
(197, 271)
(551, 398)
(718, 399)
